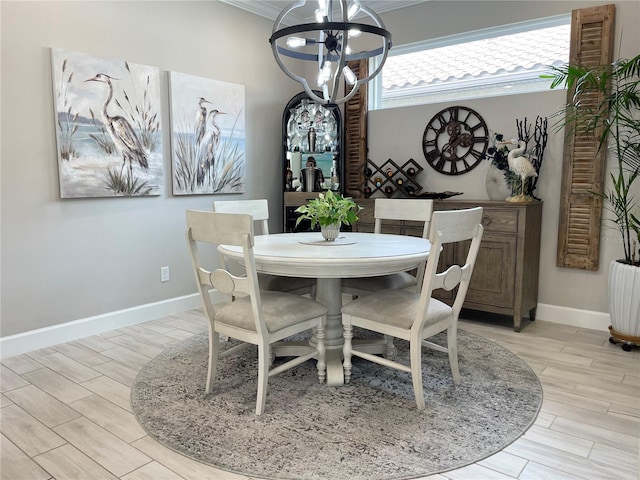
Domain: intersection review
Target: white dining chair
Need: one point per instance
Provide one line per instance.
(415, 317)
(418, 210)
(255, 317)
(259, 210)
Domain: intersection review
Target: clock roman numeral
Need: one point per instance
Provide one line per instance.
(478, 155)
(453, 114)
(440, 163)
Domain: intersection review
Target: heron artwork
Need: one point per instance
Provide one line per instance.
(122, 133)
(201, 119)
(208, 160)
(521, 166)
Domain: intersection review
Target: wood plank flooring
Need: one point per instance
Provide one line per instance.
(65, 410)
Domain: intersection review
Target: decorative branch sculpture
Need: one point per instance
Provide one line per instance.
(536, 150)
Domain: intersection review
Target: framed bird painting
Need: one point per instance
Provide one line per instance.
(108, 126)
(207, 135)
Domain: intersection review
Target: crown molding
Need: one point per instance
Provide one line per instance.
(271, 8)
(264, 9)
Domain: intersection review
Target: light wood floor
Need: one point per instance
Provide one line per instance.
(66, 414)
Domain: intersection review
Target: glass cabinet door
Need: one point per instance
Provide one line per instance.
(312, 136)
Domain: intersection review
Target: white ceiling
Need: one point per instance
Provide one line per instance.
(271, 8)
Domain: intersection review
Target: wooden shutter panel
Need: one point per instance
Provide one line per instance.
(583, 168)
(355, 133)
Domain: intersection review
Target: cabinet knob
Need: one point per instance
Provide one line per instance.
(486, 220)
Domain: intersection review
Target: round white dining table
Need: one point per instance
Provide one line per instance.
(352, 254)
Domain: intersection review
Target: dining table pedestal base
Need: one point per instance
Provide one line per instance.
(329, 293)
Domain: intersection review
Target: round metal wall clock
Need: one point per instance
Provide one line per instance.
(455, 140)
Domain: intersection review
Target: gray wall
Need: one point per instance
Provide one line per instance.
(405, 126)
(64, 260)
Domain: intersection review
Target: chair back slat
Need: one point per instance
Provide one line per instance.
(221, 228)
(456, 225)
(417, 210)
(258, 209)
(225, 282)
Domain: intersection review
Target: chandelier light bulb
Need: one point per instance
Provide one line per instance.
(296, 42)
(326, 71)
(354, 32)
(322, 5)
(354, 9)
(349, 76)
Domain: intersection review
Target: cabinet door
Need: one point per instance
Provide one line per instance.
(493, 279)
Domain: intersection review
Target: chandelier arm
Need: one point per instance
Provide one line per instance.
(343, 53)
(312, 27)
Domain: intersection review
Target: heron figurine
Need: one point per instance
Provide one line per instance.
(521, 166)
(122, 133)
(212, 145)
(201, 119)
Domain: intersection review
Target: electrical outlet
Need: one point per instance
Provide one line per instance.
(164, 274)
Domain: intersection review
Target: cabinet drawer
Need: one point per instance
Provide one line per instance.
(500, 220)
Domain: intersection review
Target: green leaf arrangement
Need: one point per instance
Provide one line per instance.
(329, 208)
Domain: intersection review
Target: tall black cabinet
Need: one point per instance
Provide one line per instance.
(311, 133)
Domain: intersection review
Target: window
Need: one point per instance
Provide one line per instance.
(499, 61)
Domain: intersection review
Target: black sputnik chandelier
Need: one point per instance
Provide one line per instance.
(323, 48)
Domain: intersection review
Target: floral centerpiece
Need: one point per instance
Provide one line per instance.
(330, 210)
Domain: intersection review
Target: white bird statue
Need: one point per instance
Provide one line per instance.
(521, 166)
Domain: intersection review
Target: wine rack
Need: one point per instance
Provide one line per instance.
(390, 178)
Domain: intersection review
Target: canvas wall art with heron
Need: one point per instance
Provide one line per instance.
(207, 135)
(108, 126)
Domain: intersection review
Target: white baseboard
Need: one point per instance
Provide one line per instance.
(84, 327)
(67, 332)
(573, 317)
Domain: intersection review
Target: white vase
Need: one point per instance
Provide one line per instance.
(496, 184)
(330, 232)
(624, 299)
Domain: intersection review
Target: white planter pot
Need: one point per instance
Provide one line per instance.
(624, 301)
(330, 232)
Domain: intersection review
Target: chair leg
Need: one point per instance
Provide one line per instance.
(322, 364)
(452, 347)
(263, 377)
(346, 349)
(214, 351)
(272, 357)
(390, 350)
(416, 372)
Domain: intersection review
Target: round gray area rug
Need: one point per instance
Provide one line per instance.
(367, 430)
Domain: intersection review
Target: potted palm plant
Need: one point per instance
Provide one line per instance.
(330, 210)
(615, 115)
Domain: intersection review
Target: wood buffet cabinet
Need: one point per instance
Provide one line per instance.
(505, 277)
